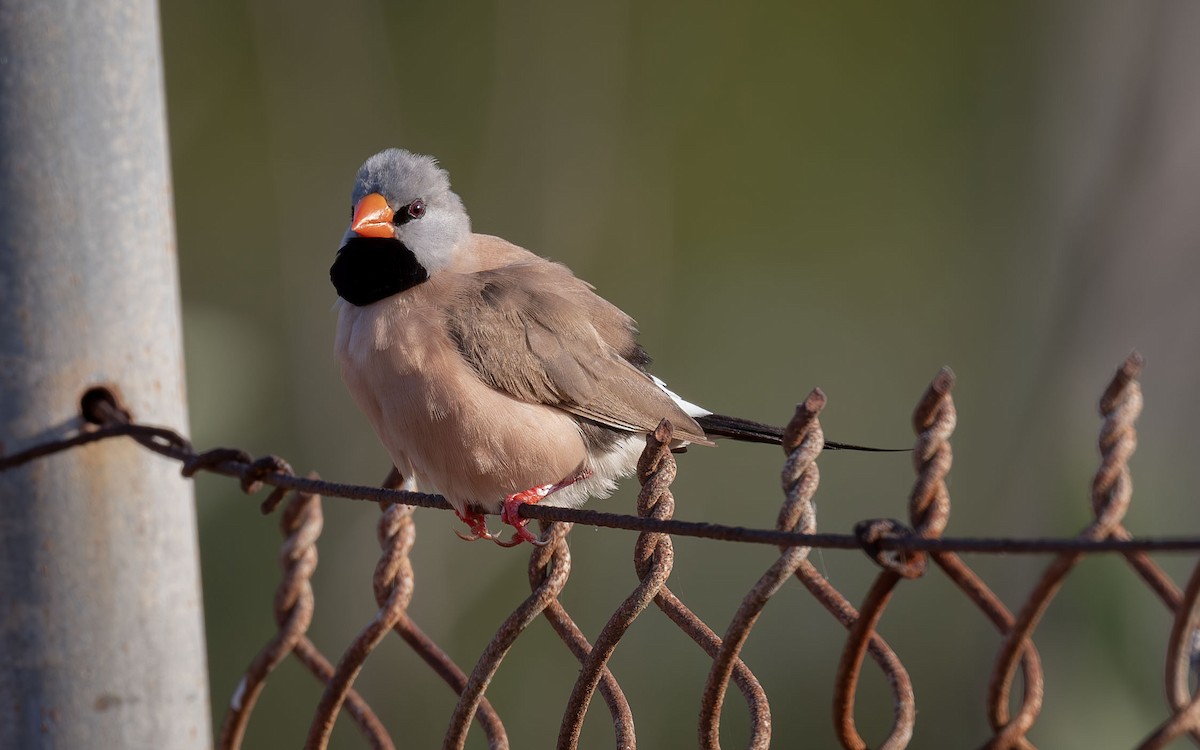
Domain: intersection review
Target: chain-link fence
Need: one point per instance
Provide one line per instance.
(902, 551)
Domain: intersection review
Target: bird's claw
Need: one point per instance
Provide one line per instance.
(510, 514)
(473, 536)
(521, 534)
(477, 523)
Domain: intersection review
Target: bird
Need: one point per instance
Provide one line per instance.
(489, 372)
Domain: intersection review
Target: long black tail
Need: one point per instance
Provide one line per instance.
(736, 428)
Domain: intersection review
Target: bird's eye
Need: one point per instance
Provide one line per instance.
(414, 210)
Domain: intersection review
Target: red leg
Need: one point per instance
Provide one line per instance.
(512, 504)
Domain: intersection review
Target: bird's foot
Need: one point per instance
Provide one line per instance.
(512, 504)
(477, 523)
(509, 514)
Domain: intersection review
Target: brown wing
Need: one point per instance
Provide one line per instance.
(535, 331)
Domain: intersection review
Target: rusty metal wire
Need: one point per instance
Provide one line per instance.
(1112, 491)
(929, 508)
(803, 440)
(170, 444)
(301, 524)
(901, 552)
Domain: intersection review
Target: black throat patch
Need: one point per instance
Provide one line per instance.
(368, 269)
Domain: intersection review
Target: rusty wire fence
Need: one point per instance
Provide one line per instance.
(902, 551)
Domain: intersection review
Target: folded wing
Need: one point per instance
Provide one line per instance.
(536, 332)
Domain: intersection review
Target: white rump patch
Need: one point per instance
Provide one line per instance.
(688, 407)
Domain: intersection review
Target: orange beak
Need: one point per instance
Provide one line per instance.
(373, 217)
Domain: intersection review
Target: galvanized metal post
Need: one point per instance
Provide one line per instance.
(101, 627)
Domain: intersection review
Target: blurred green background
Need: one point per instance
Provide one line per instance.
(784, 195)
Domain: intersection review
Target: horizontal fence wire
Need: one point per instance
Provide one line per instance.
(902, 551)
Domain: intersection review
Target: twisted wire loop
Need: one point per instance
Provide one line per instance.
(653, 559)
(929, 511)
(556, 556)
(653, 556)
(707, 639)
(1120, 406)
(392, 582)
(393, 575)
(904, 707)
(1181, 659)
(656, 501)
(301, 524)
(1112, 491)
(802, 443)
(904, 704)
(546, 585)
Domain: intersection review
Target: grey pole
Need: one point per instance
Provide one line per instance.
(101, 626)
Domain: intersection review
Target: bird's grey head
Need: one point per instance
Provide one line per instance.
(421, 211)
